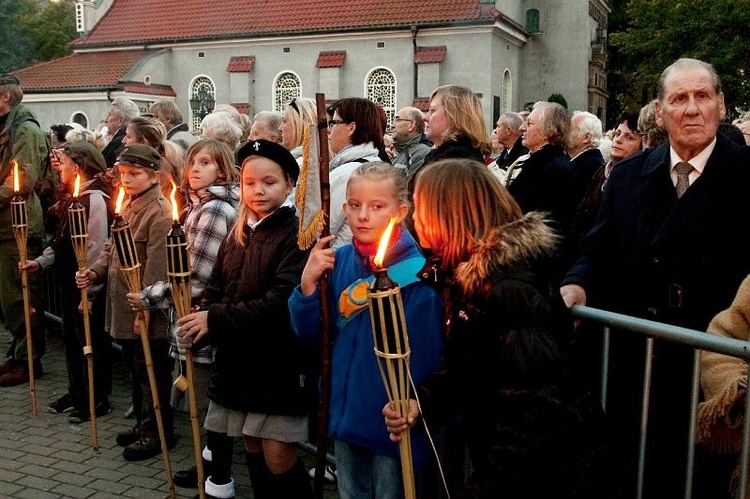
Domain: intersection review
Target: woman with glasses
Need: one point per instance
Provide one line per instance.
(355, 136)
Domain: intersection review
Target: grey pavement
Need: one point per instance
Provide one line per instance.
(46, 456)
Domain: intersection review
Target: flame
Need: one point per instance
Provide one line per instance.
(175, 212)
(16, 181)
(120, 199)
(383, 245)
(77, 185)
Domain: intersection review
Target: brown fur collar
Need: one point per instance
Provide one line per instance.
(517, 244)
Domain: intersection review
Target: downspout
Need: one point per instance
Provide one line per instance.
(415, 76)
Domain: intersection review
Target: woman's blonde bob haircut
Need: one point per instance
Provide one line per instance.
(301, 112)
(457, 202)
(466, 116)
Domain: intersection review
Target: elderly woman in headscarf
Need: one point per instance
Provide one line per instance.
(84, 160)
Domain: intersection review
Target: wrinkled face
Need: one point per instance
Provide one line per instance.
(401, 126)
(625, 142)
(288, 134)
(114, 122)
(370, 205)
(201, 170)
(339, 133)
(136, 180)
(264, 186)
(436, 121)
(161, 119)
(691, 110)
(533, 139)
(4, 103)
(260, 130)
(578, 140)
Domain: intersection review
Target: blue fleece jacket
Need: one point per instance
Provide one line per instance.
(357, 392)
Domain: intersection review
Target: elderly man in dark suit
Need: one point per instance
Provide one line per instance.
(668, 245)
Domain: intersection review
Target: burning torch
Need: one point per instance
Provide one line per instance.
(79, 237)
(20, 222)
(178, 271)
(131, 270)
(392, 350)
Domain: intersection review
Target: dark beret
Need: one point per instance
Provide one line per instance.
(9, 79)
(86, 156)
(141, 156)
(273, 151)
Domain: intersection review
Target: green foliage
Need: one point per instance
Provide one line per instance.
(559, 99)
(34, 31)
(655, 33)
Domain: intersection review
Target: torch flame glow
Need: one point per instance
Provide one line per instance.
(16, 181)
(380, 255)
(77, 185)
(175, 212)
(120, 199)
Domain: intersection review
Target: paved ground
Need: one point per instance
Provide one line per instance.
(45, 456)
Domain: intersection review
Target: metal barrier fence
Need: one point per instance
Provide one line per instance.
(699, 340)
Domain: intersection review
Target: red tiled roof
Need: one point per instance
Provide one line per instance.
(137, 87)
(241, 64)
(88, 71)
(331, 59)
(426, 55)
(139, 21)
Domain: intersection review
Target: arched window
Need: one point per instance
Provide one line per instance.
(286, 88)
(202, 100)
(532, 20)
(81, 119)
(507, 91)
(381, 89)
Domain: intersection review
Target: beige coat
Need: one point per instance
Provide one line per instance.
(149, 218)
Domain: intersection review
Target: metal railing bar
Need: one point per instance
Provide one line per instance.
(696, 339)
(745, 447)
(693, 424)
(605, 367)
(647, 371)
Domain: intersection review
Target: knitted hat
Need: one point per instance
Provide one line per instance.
(140, 156)
(86, 156)
(273, 151)
(9, 79)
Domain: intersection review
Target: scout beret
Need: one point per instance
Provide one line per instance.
(273, 151)
(141, 156)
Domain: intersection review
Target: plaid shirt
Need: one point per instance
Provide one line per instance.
(211, 213)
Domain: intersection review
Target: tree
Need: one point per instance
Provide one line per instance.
(34, 31)
(658, 32)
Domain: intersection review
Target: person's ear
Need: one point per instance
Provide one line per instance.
(403, 210)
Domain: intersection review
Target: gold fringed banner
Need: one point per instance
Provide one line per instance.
(307, 195)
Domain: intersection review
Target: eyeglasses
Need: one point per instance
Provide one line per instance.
(401, 119)
(332, 123)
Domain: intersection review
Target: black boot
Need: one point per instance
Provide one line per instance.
(292, 483)
(259, 474)
(189, 478)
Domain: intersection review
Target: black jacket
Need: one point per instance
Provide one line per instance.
(260, 365)
(459, 148)
(533, 430)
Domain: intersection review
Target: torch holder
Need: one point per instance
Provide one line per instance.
(20, 222)
(391, 341)
(178, 269)
(131, 270)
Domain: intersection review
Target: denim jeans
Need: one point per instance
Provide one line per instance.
(363, 475)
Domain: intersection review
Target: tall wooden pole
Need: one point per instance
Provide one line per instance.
(325, 326)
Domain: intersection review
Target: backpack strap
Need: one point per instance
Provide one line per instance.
(353, 299)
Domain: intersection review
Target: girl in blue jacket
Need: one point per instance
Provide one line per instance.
(367, 461)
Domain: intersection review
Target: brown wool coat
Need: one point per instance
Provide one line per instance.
(149, 217)
(724, 379)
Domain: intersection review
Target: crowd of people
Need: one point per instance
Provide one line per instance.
(498, 234)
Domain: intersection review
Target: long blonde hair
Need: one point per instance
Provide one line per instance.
(465, 114)
(457, 202)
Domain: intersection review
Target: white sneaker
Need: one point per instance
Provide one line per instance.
(329, 476)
